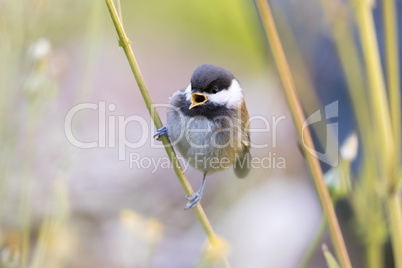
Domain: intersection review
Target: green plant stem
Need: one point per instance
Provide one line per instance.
(125, 44)
(392, 68)
(340, 27)
(393, 79)
(331, 262)
(299, 119)
(302, 76)
(381, 116)
(349, 59)
(374, 256)
(382, 122)
(314, 245)
(395, 219)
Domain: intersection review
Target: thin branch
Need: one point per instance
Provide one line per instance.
(298, 118)
(314, 245)
(125, 44)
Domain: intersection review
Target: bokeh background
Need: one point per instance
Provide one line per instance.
(63, 206)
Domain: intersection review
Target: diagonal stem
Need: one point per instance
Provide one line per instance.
(298, 118)
(125, 44)
(314, 245)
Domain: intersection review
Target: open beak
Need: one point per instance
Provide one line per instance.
(197, 99)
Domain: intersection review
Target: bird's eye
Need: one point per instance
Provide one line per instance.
(215, 89)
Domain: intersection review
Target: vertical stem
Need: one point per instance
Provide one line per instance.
(393, 81)
(299, 119)
(382, 122)
(125, 44)
(337, 16)
(381, 116)
(392, 68)
(374, 256)
(395, 219)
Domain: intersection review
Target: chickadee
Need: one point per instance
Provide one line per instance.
(208, 124)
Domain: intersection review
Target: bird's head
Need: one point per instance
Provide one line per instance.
(212, 85)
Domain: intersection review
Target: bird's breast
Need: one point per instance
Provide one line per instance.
(208, 145)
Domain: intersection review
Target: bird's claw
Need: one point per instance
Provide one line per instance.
(193, 200)
(160, 132)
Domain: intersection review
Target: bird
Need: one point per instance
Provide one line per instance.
(208, 123)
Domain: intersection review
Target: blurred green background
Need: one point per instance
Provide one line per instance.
(62, 206)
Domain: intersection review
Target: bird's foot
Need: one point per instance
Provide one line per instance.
(193, 200)
(160, 132)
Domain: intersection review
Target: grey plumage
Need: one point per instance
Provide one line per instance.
(208, 124)
(223, 136)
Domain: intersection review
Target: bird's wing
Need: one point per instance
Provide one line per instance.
(242, 163)
(246, 130)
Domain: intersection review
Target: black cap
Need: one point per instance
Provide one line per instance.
(208, 76)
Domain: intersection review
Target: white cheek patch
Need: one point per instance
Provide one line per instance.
(231, 97)
(187, 91)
